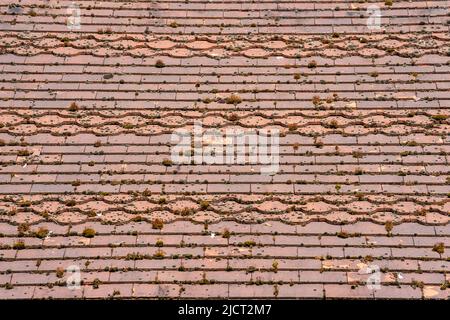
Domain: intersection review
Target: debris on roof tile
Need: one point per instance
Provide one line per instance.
(224, 149)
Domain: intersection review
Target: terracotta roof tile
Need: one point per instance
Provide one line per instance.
(93, 205)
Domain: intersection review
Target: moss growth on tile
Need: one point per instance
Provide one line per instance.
(41, 233)
(357, 154)
(70, 203)
(439, 248)
(248, 244)
(88, 233)
(159, 254)
(233, 117)
(19, 245)
(274, 266)
(73, 107)
(417, 284)
(316, 100)
(439, 117)
(135, 256)
(345, 235)
(204, 204)
(388, 226)
(59, 272)
(23, 228)
(96, 283)
(138, 218)
(157, 224)
(159, 64)
(233, 99)
(292, 127)
(226, 234)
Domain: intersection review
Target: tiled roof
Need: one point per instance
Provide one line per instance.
(87, 113)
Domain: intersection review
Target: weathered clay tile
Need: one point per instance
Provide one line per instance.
(89, 192)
